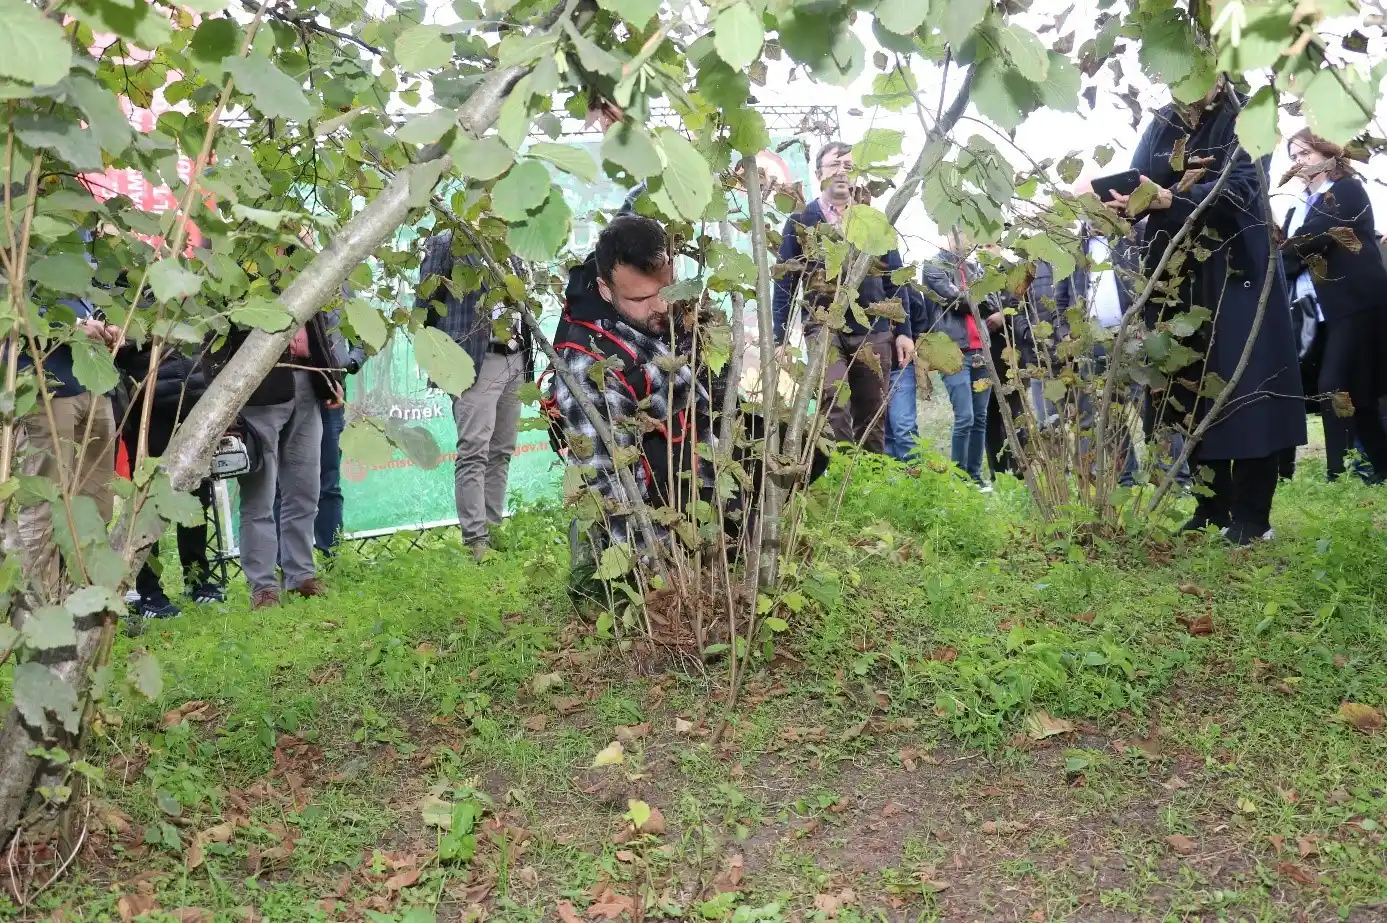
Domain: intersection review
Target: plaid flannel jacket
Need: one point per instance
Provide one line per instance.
(672, 395)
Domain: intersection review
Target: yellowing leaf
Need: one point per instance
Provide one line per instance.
(610, 755)
(1363, 717)
(1040, 725)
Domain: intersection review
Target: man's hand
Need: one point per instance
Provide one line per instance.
(905, 350)
(782, 354)
(339, 398)
(1162, 201)
(995, 321)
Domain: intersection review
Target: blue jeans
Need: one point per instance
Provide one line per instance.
(970, 413)
(327, 527)
(901, 428)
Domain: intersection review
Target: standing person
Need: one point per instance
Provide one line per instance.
(284, 412)
(178, 383)
(902, 429)
(948, 281)
(1346, 288)
(1264, 414)
(327, 525)
(487, 413)
(861, 418)
(49, 449)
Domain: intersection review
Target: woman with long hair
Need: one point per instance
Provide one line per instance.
(1183, 152)
(1331, 256)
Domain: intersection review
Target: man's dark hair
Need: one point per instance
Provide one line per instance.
(632, 240)
(827, 149)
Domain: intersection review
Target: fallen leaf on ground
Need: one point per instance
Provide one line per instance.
(609, 905)
(567, 914)
(566, 704)
(1040, 725)
(625, 855)
(1309, 846)
(1194, 589)
(1198, 625)
(536, 722)
(830, 904)
(1363, 717)
(1290, 796)
(891, 810)
(627, 733)
(682, 726)
(1086, 617)
(196, 710)
(654, 824)
(1338, 796)
(609, 755)
(1174, 783)
(1180, 844)
(1278, 843)
(1005, 827)
(731, 876)
(191, 915)
(946, 654)
(543, 682)
(221, 833)
(912, 757)
(403, 879)
(1296, 873)
(131, 906)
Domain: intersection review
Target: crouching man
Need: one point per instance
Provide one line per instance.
(633, 357)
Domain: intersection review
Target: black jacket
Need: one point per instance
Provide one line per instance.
(278, 385)
(1346, 280)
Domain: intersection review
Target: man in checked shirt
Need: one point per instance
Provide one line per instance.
(657, 406)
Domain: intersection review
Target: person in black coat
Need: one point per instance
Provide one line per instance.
(1332, 257)
(178, 383)
(1264, 415)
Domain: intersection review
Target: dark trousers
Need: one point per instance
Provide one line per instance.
(1242, 491)
(327, 527)
(860, 415)
(192, 540)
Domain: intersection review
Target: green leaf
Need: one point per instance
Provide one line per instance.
(1167, 51)
(37, 689)
(893, 91)
(1257, 123)
(90, 600)
(777, 624)
(636, 12)
(426, 128)
(686, 176)
(1262, 38)
(1060, 88)
(367, 322)
(575, 161)
(869, 230)
(1332, 111)
(422, 47)
(204, 6)
(1027, 55)
(277, 95)
(445, 362)
(214, 41)
(827, 45)
(1001, 94)
(485, 159)
(902, 16)
(1044, 247)
(960, 18)
(615, 563)
(594, 57)
(262, 313)
(105, 119)
(938, 352)
(738, 34)
(33, 48)
(416, 442)
(630, 147)
(64, 137)
(364, 442)
(877, 146)
(520, 191)
(539, 236)
(93, 365)
(144, 674)
(63, 272)
(49, 627)
(261, 216)
(638, 813)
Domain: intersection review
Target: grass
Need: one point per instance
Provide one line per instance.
(972, 720)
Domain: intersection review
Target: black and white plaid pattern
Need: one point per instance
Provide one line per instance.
(669, 393)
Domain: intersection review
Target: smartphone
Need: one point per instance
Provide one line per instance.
(1124, 183)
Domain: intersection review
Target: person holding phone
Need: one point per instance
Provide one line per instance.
(1344, 288)
(1264, 415)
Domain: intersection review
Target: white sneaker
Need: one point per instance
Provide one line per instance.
(986, 488)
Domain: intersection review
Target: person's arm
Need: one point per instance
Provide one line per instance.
(584, 446)
(893, 262)
(940, 283)
(788, 284)
(1339, 208)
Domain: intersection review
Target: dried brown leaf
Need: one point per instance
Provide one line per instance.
(191, 915)
(1296, 873)
(196, 710)
(1180, 844)
(1040, 725)
(1363, 717)
(567, 914)
(536, 722)
(632, 732)
(1005, 827)
(403, 879)
(1308, 846)
(131, 906)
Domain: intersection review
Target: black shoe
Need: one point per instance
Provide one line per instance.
(207, 592)
(158, 607)
(1242, 534)
(1201, 521)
